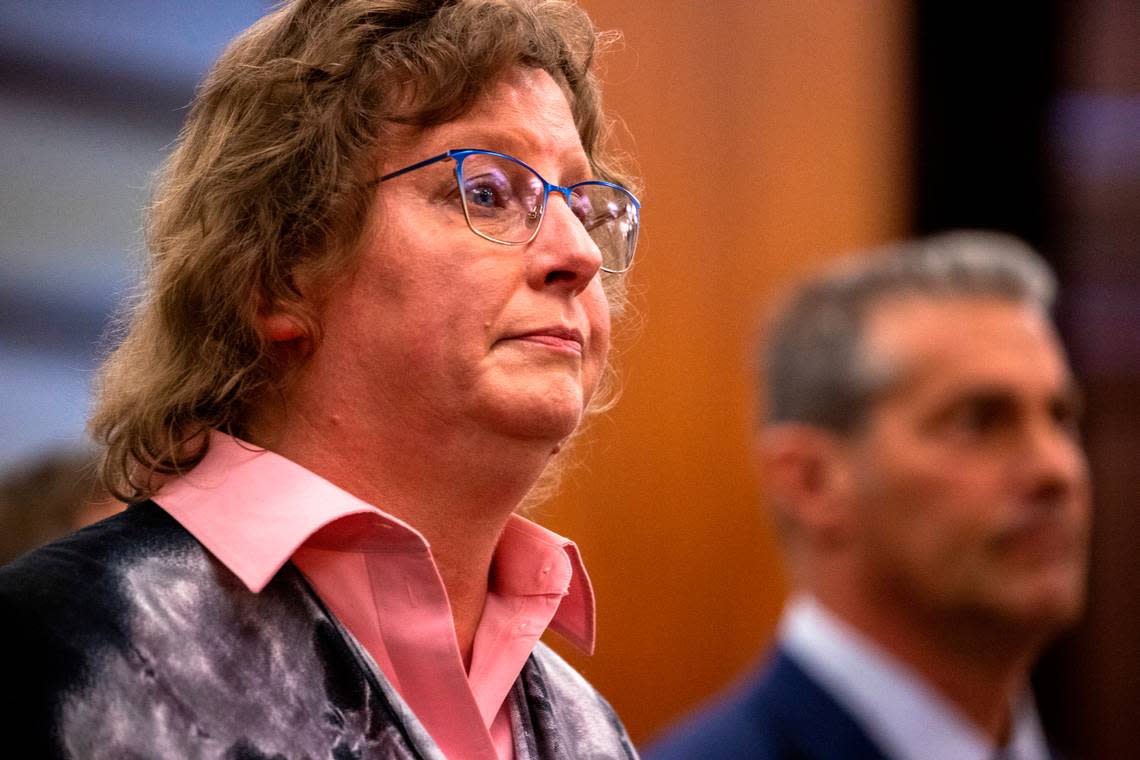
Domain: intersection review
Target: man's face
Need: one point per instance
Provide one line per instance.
(438, 331)
(969, 489)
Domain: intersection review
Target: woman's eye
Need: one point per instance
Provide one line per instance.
(482, 196)
(488, 191)
(582, 208)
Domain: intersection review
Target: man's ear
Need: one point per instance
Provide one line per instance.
(808, 475)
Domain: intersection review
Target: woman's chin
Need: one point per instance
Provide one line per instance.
(548, 417)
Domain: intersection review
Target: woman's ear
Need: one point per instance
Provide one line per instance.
(278, 326)
(276, 322)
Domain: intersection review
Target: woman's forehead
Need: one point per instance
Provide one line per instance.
(524, 113)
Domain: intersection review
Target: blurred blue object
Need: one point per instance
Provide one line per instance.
(92, 93)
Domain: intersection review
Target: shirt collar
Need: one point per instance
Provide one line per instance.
(252, 509)
(533, 560)
(877, 689)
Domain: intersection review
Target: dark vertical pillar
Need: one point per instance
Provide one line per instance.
(1095, 143)
(984, 78)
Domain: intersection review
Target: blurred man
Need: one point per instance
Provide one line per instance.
(920, 442)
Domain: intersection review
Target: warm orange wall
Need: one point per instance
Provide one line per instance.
(772, 134)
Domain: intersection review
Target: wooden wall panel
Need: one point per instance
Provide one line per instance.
(772, 134)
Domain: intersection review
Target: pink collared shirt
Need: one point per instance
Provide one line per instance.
(255, 510)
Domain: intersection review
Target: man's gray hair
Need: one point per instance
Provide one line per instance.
(815, 371)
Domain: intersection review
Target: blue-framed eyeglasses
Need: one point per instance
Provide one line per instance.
(504, 201)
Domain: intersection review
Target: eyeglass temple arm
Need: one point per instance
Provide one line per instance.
(417, 165)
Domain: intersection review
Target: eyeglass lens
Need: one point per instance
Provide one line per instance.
(503, 200)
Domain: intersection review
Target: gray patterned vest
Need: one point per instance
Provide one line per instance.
(129, 640)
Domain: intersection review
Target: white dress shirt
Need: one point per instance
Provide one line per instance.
(900, 712)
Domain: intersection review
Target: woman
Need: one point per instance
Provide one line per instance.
(385, 256)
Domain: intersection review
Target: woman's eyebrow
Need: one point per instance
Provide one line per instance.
(527, 146)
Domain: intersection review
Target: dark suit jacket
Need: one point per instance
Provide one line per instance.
(779, 714)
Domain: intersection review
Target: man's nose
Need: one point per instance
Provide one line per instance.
(1054, 459)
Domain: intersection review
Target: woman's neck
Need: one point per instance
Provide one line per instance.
(458, 494)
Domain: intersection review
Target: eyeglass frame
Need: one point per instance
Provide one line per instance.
(460, 154)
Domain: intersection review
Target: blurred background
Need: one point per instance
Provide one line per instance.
(773, 135)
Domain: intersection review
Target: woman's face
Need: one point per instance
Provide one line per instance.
(439, 331)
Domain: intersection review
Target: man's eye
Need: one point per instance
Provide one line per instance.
(985, 416)
(1067, 416)
(979, 418)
